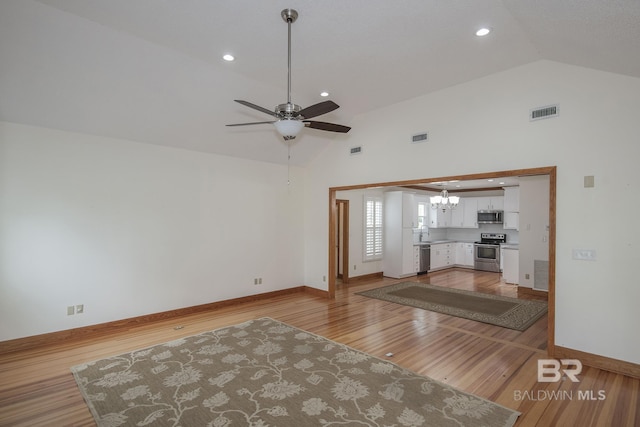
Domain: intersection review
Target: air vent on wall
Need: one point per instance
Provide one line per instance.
(544, 112)
(420, 137)
(355, 150)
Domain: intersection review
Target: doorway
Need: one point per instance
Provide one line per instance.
(342, 241)
(551, 171)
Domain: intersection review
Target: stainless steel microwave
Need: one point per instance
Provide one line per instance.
(490, 217)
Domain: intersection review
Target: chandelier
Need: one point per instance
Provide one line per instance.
(444, 201)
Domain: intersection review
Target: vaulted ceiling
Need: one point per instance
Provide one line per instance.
(152, 70)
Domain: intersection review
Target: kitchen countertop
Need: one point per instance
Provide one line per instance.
(510, 246)
(435, 242)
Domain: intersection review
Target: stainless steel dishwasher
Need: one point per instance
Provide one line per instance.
(425, 259)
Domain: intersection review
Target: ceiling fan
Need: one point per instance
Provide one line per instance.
(290, 118)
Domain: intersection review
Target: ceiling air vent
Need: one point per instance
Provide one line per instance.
(420, 137)
(355, 150)
(544, 112)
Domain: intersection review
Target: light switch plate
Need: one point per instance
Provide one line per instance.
(584, 254)
(589, 181)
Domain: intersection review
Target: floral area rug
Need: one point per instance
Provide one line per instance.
(266, 373)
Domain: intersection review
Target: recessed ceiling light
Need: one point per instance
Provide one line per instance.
(324, 93)
(483, 32)
(490, 180)
(228, 57)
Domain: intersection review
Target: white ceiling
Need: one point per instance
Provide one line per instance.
(151, 70)
(474, 184)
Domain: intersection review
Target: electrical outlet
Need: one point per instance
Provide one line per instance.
(79, 308)
(324, 278)
(71, 310)
(259, 280)
(255, 281)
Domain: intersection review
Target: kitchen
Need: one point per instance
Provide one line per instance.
(501, 227)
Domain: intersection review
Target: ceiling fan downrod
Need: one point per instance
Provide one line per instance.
(289, 16)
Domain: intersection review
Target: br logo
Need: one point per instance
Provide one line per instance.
(550, 370)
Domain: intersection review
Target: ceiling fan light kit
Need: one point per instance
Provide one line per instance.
(291, 118)
(288, 128)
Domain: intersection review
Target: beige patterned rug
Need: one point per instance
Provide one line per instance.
(266, 373)
(512, 313)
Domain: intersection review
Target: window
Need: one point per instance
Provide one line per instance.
(423, 214)
(372, 228)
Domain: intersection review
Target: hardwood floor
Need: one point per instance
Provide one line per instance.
(37, 388)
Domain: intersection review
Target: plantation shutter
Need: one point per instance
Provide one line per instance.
(372, 228)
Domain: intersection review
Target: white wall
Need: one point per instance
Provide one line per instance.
(534, 230)
(483, 126)
(129, 229)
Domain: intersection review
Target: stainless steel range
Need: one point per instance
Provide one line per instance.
(486, 252)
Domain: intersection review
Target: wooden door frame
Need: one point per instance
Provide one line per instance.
(547, 170)
(345, 238)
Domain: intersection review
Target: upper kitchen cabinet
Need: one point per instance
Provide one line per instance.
(493, 203)
(511, 221)
(400, 209)
(470, 212)
(465, 215)
(409, 211)
(439, 218)
(457, 215)
(511, 208)
(512, 199)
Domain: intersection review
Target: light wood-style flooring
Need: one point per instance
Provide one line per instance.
(37, 388)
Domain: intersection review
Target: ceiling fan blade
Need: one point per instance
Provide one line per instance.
(256, 107)
(331, 127)
(252, 123)
(318, 109)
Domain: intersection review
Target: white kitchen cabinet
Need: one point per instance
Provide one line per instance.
(468, 255)
(464, 254)
(439, 218)
(512, 199)
(465, 215)
(470, 213)
(511, 262)
(409, 211)
(494, 203)
(444, 218)
(399, 256)
(442, 255)
(511, 221)
(416, 258)
(459, 253)
(457, 215)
